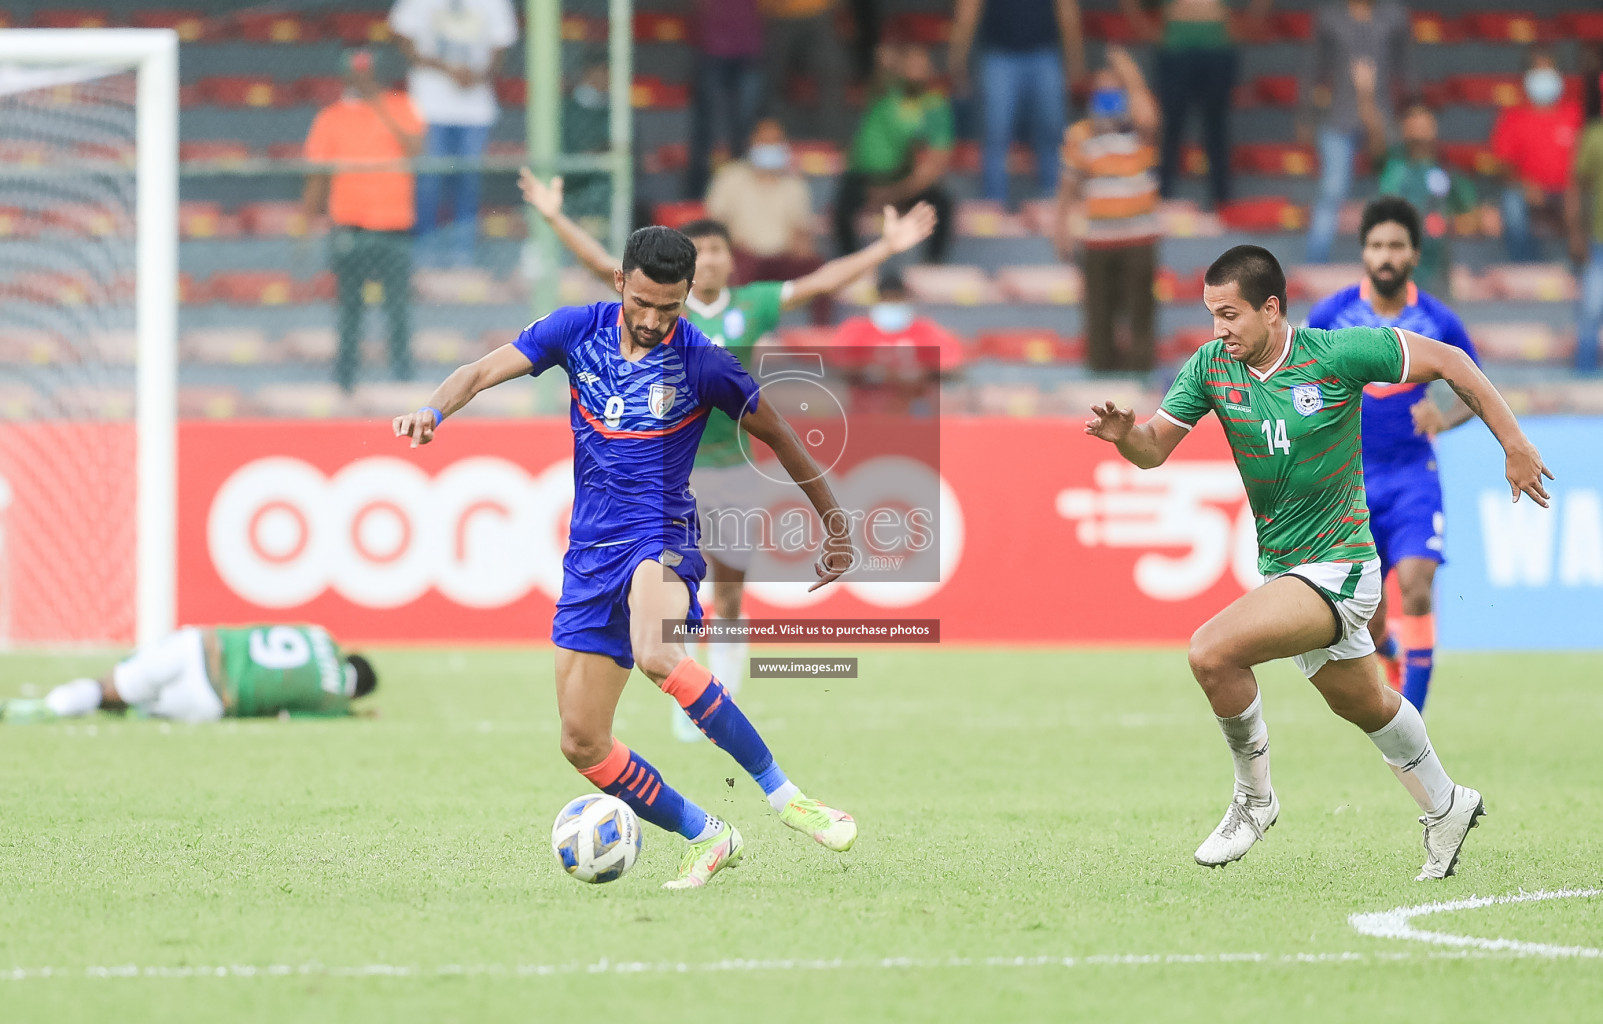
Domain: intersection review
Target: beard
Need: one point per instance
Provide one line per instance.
(1388, 287)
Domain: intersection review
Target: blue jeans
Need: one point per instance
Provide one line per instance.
(1591, 314)
(1336, 152)
(725, 92)
(466, 142)
(1518, 238)
(1010, 79)
(1204, 79)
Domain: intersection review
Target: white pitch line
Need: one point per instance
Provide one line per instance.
(607, 966)
(1398, 924)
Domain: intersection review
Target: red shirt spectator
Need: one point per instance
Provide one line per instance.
(1536, 143)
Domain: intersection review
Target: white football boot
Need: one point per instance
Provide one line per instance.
(1244, 824)
(1444, 835)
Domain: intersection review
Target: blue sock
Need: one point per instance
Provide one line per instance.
(716, 715)
(1387, 648)
(631, 778)
(1417, 665)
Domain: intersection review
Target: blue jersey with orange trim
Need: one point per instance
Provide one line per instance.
(636, 424)
(1388, 419)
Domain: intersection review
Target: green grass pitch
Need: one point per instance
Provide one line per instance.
(1039, 804)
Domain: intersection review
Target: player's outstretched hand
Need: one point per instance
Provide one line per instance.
(1525, 469)
(419, 426)
(1109, 422)
(836, 560)
(546, 198)
(905, 230)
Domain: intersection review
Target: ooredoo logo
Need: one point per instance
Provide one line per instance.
(381, 532)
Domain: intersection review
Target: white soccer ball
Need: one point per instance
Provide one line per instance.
(596, 838)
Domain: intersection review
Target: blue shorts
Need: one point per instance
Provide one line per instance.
(1405, 512)
(593, 612)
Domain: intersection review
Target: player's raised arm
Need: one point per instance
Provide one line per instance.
(546, 198)
(902, 232)
(458, 389)
(1145, 445)
(1426, 360)
(771, 429)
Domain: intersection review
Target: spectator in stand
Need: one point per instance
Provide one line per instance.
(799, 37)
(1534, 142)
(454, 49)
(1197, 65)
(587, 128)
(1026, 46)
(769, 213)
(726, 83)
(896, 359)
(1109, 187)
(1376, 36)
(1413, 169)
(371, 210)
(901, 152)
(1586, 232)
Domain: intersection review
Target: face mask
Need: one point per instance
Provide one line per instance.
(770, 156)
(588, 96)
(1543, 86)
(1109, 103)
(891, 317)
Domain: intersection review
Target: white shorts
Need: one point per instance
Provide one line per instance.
(729, 502)
(1352, 590)
(168, 679)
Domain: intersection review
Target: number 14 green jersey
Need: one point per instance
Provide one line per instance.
(1294, 432)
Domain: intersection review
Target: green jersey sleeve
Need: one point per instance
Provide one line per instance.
(1363, 355)
(765, 303)
(1187, 400)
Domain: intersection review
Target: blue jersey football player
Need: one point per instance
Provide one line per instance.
(1399, 421)
(642, 382)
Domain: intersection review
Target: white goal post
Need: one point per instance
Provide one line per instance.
(153, 54)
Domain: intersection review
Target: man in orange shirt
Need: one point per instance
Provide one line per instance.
(371, 209)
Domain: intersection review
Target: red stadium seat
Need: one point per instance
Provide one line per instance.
(468, 286)
(984, 218)
(1586, 26)
(1170, 285)
(285, 151)
(6, 20)
(655, 27)
(445, 346)
(1432, 29)
(317, 90)
(1275, 158)
(1531, 282)
(225, 346)
(669, 157)
(221, 150)
(205, 220)
(1112, 27)
(1264, 213)
(191, 26)
(1521, 342)
(511, 91)
(76, 17)
(578, 28)
(211, 403)
(1293, 26)
(951, 284)
(1470, 157)
(676, 214)
(275, 28)
(1314, 281)
(921, 27)
(245, 91)
(651, 92)
(16, 222)
(1276, 90)
(273, 219)
(1055, 284)
(966, 158)
(1506, 27)
(1178, 346)
(506, 222)
(32, 346)
(1486, 90)
(192, 291)
(358, 28)
(113, 347)
(252, 288)
(309, 345)
(818, 158)
(1029, 345)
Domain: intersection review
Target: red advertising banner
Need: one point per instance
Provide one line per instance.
(1045, 535)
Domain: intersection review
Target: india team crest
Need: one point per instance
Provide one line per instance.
(1307, 399)
(661, 397)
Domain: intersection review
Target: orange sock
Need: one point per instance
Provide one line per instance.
(687, 682)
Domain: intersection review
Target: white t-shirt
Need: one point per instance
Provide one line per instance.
(763, 213)
(461, 33)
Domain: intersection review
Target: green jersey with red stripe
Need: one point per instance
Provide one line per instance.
(1294, 432)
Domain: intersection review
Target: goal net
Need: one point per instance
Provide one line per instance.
(88, 181)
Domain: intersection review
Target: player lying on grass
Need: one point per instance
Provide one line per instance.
(201, 675)
(1289, 403)
(643, 381)
(1399, 420)
(735, 319)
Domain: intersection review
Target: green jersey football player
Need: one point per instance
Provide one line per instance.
(1289, 402)
(201, 675)
(737, 318)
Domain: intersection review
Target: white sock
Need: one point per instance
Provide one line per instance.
(783, 795)
(1248, 738)
(712, 828)
(1406, 748)
(728, 663)
(78, 697)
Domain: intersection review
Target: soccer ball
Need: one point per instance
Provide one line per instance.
(596, 838)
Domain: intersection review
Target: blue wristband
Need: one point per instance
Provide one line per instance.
(438, 416)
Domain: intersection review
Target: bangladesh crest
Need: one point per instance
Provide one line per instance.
(1307, 399)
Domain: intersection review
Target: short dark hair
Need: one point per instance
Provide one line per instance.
(662, 254)
(366, 678)
(1254, 270)
(891, 281)
(706, 227)
(1390, 210)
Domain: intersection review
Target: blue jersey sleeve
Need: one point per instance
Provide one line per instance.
(721, 381)
(1453, 332)
(1323, 315)
(546, 341)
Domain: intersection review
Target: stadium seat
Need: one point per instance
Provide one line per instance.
(97, 403)
(503, 222)
(1530, 282)
(1111, 27)
(1432, 29)
(18, 401)
(1521, 342)
(983, 218)
(358, 28)
(1057, 284)
(382, 399)
(87, 220)
(1586, 26)
(210, 403)
(511, 91)
(1311, 282)
(285, 150)
(818, 158)
(246, 91)
(1184, 219)
(678, 213)
(501, 403)
(193, 291)
(16, 222)
(926, 27)
(579, 28)
(32, 346)
(308, 345)
(652, 93)
(252, 287)
(206, 220)
(1170, 285)
(191, 26)
(60, 288)
(966, 158)
(1264, 213)
(1029, 345)
(445, 346)
(575, 287)
(72, 18)
(302, 401)
(316, 90)
(219, 150)
(281, 218)
(1006, 400)
(284, 27)
(1275, 90)
(951, 284)
(1505, 27)
(225, 346)
(1275, 158)
(657, 27)
(668, 158)
(321, 286)
(1178, 346)
(1470, 157)
(467, 286)
(112, 347)
(1478, 90)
